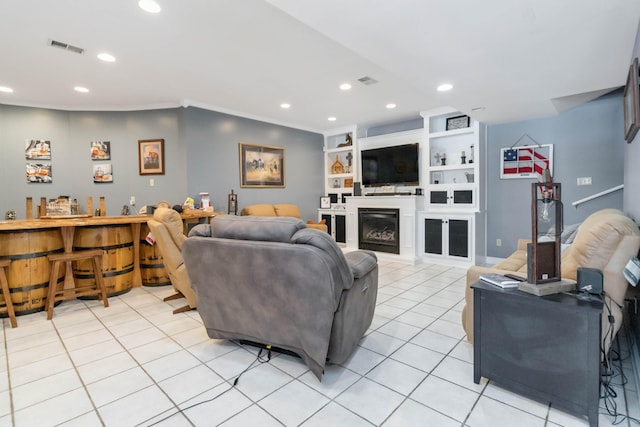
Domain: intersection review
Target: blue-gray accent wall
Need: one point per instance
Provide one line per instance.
(587, 142)
(201, 154)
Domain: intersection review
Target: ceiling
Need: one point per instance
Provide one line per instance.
(508, 60)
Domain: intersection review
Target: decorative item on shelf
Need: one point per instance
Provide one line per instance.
(337, 167)
(463, 158)
(348, 182)
(470, 177)
(437, 158)
(348, 169)
(458, 122)
(325, 202)
(10, 215)
(471, 154)
(232, 203)
(336, 183)
(125, 210)
(443, 159)
(348, 141)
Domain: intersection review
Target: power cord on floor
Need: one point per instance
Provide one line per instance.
(258, 358)
(607, 391)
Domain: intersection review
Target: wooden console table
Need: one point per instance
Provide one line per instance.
(546, 348)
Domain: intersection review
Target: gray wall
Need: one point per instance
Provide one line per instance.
(213, 160)
(201, 153)
(587, 142)
(70, 134)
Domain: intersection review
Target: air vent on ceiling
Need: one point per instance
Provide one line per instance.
(366, 80)
(66, 46)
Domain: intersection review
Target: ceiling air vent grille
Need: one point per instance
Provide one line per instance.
(366, 80)
(66, 46)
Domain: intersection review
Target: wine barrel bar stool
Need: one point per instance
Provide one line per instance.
(4, 263)
(95, 289)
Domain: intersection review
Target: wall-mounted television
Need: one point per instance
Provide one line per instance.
(393, 165)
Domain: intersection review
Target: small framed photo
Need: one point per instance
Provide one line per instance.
(325, 202)
(151, 156)
(100, 150)
(458, 122)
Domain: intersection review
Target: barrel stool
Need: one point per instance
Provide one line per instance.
(54, 295)
(4, 263)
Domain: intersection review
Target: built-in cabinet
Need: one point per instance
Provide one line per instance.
(446, 204)
(336, 221)
(340, 162)
(448, 236)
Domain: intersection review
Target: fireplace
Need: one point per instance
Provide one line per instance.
(379, 230)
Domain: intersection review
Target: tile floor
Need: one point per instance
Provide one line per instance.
(137, 364)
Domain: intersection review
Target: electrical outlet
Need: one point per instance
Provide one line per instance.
(585, 180)
(132, 200)
(498, 242)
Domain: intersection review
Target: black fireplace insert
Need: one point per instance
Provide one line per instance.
(379, 230)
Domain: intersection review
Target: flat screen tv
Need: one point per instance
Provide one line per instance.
(393, 165)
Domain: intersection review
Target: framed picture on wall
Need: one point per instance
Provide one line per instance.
(261, 166)
(151, 156)
(102, 173)
(37, 149)
(100, 150)
(631, 107)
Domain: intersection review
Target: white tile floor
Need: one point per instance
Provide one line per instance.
(135, 363)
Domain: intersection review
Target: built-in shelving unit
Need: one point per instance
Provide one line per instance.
(340, 162)
(452, 186)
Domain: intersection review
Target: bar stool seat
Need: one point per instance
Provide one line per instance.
(54, 294)
(4, 284)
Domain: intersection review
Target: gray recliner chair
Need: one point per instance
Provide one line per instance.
(273, 281)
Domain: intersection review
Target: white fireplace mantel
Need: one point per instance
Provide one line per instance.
(409, 206)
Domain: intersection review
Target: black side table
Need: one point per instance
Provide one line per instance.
(546, 348)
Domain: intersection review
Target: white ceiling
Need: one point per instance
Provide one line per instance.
(518, 59)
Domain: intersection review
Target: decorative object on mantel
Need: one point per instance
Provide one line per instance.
(471, 154)
(10, 215)
(463, 158)
(631, 99)
(529, 161)
(443, 159)
(337, 167)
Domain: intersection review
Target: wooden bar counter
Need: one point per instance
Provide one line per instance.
(28, 242)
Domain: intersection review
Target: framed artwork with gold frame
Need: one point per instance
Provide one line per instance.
(151, 156)
(261, 166)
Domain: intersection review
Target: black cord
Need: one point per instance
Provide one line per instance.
(235, 382)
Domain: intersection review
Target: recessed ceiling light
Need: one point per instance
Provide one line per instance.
(106, 57)
(149, 6)
(445, 87)
(81, 89)
(332, 119)
(285, 105)
(345, 86)
(6, 89)
(391, 106)
(478, 108)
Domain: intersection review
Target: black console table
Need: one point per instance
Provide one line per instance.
(546, 348)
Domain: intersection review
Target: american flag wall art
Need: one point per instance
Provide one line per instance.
(526, 162)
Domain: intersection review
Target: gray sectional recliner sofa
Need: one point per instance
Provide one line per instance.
(272, 280)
